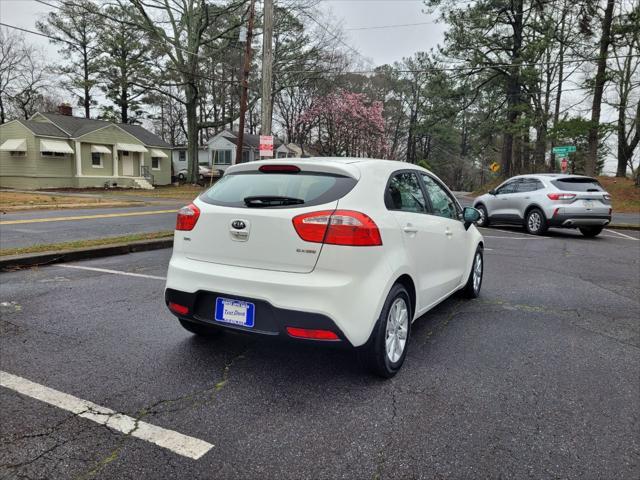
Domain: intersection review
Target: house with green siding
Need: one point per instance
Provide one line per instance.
(57, 150)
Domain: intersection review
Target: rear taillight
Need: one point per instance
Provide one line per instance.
(561, 196)
(179, 309)
(339, 227)
(312, 334)
(187, 217)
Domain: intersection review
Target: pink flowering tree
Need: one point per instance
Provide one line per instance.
(345, 124)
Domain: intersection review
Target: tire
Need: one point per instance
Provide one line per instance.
(181, 177)
(201, 177)
(200, 330)
(375, 355)
(484, 216)
(590, 232)
(535, 222)
(474, 282)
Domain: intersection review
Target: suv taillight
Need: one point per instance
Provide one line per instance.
(187, 217)
(338, 227)
(561, 196)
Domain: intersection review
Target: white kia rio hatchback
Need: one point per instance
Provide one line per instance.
(335, 250)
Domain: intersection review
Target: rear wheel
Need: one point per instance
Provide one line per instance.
(484, 216)
(200, 330)
(386, 350)
(535, 222)
(590, 232)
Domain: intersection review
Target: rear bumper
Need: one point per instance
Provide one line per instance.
(575, 220)
(269, 320)
(351, 299)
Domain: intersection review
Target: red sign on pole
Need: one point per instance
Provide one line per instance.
(266, 145)
(564, 164)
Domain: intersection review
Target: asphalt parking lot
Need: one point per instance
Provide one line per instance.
(538, 378)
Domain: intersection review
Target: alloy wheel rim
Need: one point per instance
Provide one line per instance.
(397, 330)
(481, 220)
(534, 222)
(477, 272)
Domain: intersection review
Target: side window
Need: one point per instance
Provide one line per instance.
(526, 185)
(404, 193)
(538, 185)
(441, 203)
(507, 188)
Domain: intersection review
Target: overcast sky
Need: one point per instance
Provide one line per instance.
(380, 46)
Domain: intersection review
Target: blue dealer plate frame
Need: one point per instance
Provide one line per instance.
(235, 312)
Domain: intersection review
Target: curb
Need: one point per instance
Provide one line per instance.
(15, 262)
(624, 226)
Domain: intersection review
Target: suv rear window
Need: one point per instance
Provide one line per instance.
(278, 190)
(578, 184)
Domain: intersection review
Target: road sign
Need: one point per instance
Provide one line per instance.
(564, 164)
(494, 167)
(266, 145)
(563, 150)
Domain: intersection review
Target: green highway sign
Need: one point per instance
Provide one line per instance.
(564, 150)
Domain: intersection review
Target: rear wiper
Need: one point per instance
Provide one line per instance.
(271, 201)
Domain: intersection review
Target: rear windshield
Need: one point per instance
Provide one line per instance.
(578, 184)
(277, 190)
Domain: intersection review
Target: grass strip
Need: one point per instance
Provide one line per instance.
(80, 244)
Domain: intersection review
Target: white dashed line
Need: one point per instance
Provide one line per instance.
(115, 272)
(621, 234)
(176, 442)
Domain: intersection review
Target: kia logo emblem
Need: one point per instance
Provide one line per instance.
(238, 224)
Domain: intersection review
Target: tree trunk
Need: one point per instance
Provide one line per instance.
(605, 40)
(192, 132)
(87, 102)
(513, 93)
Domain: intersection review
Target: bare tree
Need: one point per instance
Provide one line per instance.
(13, 54)
(181, 30)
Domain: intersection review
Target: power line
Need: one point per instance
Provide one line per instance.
(380, 27)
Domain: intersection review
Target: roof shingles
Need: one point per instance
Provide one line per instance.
(77, 126)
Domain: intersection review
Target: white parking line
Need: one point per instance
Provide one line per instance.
(176, 442)
(115, 272)
(621, 234)
(517, 238)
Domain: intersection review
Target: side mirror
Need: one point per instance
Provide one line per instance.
(470, 215)
(492, 191)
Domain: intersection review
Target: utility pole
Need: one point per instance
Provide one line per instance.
(245, 82)
(267, 67)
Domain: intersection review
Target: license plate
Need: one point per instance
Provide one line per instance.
(235, 312)
(588, 203)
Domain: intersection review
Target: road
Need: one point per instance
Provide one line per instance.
(536, 378)
(23, 229)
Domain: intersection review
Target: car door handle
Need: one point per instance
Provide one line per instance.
(408, 228)
(448, 233)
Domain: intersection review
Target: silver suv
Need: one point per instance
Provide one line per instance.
(547, 200)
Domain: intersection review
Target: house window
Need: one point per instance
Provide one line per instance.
(18, 154)
(125, 153)
(96, 160)
(222, 157)
(53, 154)
(155, 163)
(182, 156)
(245, 156)
(282, 155)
